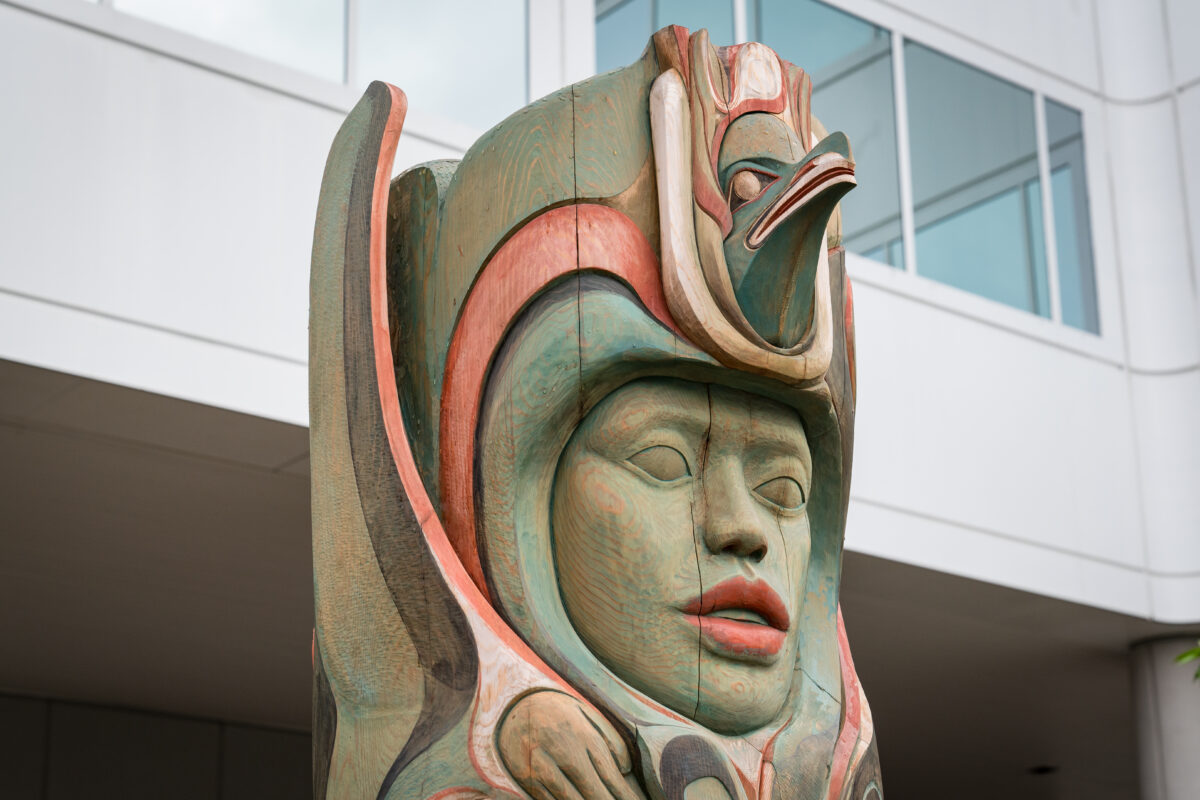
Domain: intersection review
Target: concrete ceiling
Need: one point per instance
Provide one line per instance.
(155, 554)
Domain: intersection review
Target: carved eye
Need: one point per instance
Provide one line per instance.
(661, 462)
(747, 185)
(783, 491)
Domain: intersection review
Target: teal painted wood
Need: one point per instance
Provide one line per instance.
(397, 612)
(481, 647)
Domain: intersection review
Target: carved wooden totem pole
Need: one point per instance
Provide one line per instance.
(582, 412)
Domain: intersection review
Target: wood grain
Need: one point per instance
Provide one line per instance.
(580, 464)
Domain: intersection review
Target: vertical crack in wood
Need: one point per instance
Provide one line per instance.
(696, 538)
(700, 580)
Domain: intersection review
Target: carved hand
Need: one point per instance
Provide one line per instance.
(559, 749)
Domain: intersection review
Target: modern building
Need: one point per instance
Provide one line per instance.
(1024, 540)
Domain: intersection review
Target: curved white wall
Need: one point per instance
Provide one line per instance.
(158, 218)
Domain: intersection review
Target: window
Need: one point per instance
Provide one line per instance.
(623, 27)
(307, 36)
(1072, 225)
(459, 59)
(462, 59)
(976, 193)
(850, 62)
(978, 179)
(622, 30)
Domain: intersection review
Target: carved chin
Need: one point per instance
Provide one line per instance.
(738, 696)
(732, 693)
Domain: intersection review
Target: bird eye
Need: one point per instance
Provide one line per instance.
(783, 491)
(747, 185)
(661, 462)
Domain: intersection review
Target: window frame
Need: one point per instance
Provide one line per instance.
(557, 27)
(100, 17)
(1105, 346)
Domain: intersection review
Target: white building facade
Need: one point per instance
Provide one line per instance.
(1024, 534)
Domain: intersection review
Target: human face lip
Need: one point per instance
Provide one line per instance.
(735, 638)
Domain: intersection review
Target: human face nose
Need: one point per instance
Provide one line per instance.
(731, 520)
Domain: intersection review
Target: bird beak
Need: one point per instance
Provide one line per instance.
(826, 166)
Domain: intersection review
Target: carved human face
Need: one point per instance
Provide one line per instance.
(681, 541)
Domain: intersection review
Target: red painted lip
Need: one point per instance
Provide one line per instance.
(736, 637)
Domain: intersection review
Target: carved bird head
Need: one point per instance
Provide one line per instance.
(743, 246)
(780, 200)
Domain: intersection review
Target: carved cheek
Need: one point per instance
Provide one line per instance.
(797, 537)
(629, 523)
(596, 511)
(606, 502)
(617, 536)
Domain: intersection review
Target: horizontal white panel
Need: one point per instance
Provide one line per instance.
(928, 543)
(93, 346)
(964, 422)
(154, 191)
(1056, 38)
(1167, 412)
(1176, 599)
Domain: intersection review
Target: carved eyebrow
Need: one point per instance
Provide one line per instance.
(766, 439)
(768, 449)
(680, 416)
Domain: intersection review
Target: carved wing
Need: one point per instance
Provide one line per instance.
(412, 666)
(389, 635)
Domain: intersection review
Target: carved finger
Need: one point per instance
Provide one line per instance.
(559, 785)
(616, 745)
(616, 783)
(581, 769)
(537, 791)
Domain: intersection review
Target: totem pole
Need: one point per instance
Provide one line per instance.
(582, 407)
